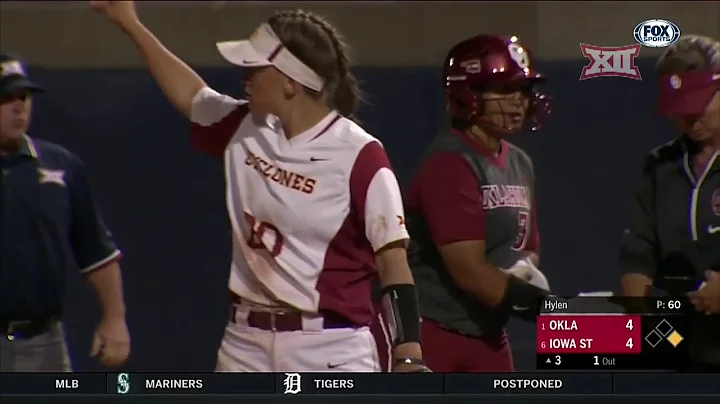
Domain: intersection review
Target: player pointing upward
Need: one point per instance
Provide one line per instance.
(314, 206)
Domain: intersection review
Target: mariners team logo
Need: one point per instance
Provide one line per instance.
(123, 383)
(656, 33)
(716, 202)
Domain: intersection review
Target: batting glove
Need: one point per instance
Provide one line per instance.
(525, 270)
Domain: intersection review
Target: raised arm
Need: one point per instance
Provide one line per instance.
(176, 79)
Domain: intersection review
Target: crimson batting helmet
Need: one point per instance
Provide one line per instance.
(486, 62)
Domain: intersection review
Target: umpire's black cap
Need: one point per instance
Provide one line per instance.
(13, 76)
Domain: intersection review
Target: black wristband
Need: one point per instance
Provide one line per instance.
(522, 300)
(402, 313)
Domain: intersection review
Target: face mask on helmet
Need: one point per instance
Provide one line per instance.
(503, 109)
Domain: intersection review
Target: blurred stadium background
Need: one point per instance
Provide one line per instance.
(165, 203)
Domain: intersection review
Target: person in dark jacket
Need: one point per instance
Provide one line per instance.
(49, 225)
(675, 220)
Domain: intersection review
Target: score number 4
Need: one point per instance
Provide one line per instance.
(629, 343)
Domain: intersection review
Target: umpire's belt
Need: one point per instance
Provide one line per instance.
(284, 320)
(26, 329)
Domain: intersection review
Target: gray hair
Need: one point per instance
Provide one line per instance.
(690, 52)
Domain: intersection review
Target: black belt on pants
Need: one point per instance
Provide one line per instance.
(26, 329)
(291, 320)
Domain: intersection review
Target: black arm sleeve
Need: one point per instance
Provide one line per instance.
(402, 312)
(639, 250)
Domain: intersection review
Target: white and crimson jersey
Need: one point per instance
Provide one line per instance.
(307, 213)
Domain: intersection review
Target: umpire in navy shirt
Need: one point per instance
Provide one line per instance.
(49, 224)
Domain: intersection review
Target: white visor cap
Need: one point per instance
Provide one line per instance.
(265, 49)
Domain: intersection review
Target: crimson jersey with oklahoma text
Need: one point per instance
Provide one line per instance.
(307, 213)
(464, 192)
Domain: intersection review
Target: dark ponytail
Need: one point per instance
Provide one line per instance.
(346, 95)
(317, 43)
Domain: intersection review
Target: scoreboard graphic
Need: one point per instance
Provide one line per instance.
(612, 333)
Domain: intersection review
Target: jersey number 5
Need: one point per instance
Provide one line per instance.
(258, 229)
(522, 235)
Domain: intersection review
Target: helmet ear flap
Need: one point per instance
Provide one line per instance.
(463, 104)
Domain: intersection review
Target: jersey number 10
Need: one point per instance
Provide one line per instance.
(258, 229)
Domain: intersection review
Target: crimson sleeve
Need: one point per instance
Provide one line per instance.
(448, 194)
(215, 118)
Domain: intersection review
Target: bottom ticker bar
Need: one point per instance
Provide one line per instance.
(610, 362)
(250, 384)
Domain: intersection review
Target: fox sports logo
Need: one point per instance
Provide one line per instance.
(656, 33)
